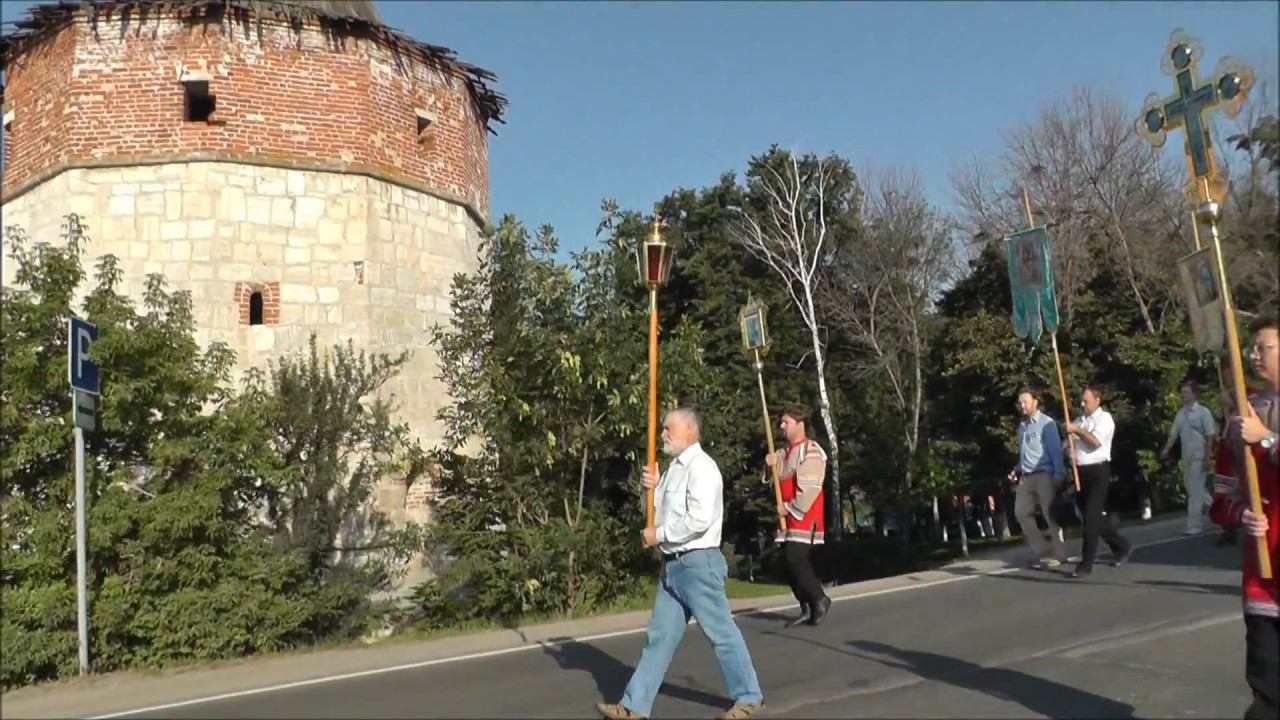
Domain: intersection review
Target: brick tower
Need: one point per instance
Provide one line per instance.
(298, 167)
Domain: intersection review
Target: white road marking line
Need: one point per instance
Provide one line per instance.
(1141, 635)
(553, 643)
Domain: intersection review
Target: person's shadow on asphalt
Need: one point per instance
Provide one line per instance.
(1040, 696)
(611, 675)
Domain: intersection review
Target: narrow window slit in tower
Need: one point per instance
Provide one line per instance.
(255, 308)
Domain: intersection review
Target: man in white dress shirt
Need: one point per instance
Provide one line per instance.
(1094, 433)
(1194, 429)
(688, 512)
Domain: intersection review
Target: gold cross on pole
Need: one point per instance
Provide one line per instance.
(1229, 88)
(1189, 107)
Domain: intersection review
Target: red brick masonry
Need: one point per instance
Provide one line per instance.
(270, 301)
(108, 92)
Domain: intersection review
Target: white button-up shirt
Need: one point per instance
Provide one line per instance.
(1103, 428)
(1193, 426)
(689, 503)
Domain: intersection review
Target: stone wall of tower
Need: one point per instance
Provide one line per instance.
(345, 256)
(342, 177)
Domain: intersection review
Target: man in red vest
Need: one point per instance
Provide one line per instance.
(802, 467)
(1257, 432)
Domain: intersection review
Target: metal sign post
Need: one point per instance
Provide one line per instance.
(83, 374)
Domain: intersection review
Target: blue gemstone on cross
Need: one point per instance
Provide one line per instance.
(1186, 110)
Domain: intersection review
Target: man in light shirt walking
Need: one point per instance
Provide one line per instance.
(1194, 429)
(688, 513)
(1039, 471)
(1094, 433)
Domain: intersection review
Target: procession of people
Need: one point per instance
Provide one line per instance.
(686, 504)
(690, 513)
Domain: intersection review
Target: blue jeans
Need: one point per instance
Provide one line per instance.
(692, 586)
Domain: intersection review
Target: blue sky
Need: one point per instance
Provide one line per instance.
(633, 100)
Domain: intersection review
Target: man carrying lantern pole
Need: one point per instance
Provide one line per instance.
(683, 520)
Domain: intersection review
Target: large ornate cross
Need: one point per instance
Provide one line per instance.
(1228, 89)
(1188, 108)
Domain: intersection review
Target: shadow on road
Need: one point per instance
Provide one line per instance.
(611, 675)
(1060, 578)
(1199, 588)
(1040, 696)
(770, 615)
(1206, 554)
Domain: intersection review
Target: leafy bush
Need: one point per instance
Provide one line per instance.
(216, 521)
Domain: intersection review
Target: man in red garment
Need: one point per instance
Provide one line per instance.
(1256, 432)
(802, 468)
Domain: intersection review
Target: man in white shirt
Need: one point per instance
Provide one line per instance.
(1194, 429)
(688, 512)
(1094, 432)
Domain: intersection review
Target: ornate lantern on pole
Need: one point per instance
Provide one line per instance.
(653, 261)
(755, 342)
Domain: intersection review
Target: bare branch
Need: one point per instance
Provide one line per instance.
(882, 288)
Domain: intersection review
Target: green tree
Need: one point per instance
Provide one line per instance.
(539, 505)
(182, 478)
(880, 296)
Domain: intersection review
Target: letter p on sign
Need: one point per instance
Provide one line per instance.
(80, 366)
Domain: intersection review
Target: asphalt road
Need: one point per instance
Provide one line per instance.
(1158, 637)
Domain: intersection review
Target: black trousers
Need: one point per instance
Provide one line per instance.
(804, 582)
(1095, 481)
(1262, 666)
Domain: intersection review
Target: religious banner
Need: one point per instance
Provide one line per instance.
(1031, 284)
(1199, 275)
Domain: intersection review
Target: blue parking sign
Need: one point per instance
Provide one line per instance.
(81, 336)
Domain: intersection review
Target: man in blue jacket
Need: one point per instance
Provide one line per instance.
(1039, 472)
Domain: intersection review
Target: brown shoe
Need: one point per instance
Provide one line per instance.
(616, 711)
(742, 711)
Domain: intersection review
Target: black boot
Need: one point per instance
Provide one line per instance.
(819, 610)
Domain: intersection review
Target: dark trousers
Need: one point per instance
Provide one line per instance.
(1095, 481)
(800, 574)
(1262, 666)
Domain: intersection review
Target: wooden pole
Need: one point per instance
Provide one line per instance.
(1057, 361)
(768, 433)
(1066, 410)
(651, 459)
(1209, 212)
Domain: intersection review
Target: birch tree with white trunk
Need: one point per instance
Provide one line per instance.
(796, 209)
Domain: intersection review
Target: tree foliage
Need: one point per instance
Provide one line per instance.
(212, 515)
(547, 367)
